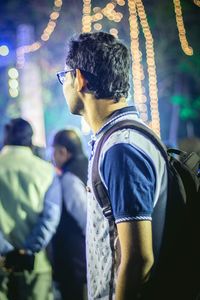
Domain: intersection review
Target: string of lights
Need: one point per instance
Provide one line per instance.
(86, 19)
(47, 32)
(181, 28)
(13, 82)
(99, 13)
(137, 70)
(151, 67)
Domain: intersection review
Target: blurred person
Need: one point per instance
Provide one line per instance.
(95, 85)
(30, 206)
(69, 241)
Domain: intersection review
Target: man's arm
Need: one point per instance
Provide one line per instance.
(75, 199)
(48, 220)
(136, 258)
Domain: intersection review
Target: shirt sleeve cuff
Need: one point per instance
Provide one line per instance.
(142, 217)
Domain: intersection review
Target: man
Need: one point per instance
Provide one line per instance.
(30, 198)
(95, 85)
(69, 241)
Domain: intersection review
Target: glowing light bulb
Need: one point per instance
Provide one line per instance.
(13, 73)
(4, 50)
(97, 26)
(13, 83)
(13, 93)
(114, 31)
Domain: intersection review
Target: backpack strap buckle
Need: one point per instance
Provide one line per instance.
(107, 212)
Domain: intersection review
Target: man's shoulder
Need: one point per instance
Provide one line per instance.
(124, 137)
(41, 162)
(132, 137)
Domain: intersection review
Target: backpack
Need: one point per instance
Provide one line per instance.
(177, 273)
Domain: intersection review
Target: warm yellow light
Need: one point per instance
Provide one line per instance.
(86, 19)
(151, 68)
(58, 3)
(181, 28)
(121, 2)
(110, 6)
(13, 83)
(136, 54)
(99, 16)
(142, 107)
(86, 10)
(13, 93)
(35, 46)
(45, 37)
(54, 15)
(97, 26)
(13, 73)
(144, 116)
(114, 31)
(4, 50)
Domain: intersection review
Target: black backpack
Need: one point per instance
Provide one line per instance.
(177, 274)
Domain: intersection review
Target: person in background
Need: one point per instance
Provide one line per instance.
(95, 85)
(30, 207)
(68, 244)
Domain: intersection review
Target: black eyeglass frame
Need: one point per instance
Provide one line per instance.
(61, 75)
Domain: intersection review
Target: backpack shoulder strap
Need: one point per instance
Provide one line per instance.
(99, 189)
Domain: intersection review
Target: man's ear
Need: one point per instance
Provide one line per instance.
(81, 81)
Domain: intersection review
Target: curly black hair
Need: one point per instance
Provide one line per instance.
(104, 61)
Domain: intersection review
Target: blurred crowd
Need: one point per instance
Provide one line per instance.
(42, 216)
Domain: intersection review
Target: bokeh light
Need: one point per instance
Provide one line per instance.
(13, 73)
(4, 50)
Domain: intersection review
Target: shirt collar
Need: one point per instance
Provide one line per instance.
(128, 110)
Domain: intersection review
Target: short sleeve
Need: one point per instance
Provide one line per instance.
(129, 175)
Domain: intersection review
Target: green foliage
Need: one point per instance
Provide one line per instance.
(179, 100)
(189, 109)
(188, 113)
(196, 103)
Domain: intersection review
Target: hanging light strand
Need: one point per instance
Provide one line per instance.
(197, 2)
(151, 67)
(86, 19)
(137, 70)
(47, 32)
(181, 28)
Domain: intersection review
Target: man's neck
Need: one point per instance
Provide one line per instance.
(97, 111)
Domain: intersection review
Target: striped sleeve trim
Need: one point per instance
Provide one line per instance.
(139, 218)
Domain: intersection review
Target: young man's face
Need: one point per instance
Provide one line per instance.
(71, 94)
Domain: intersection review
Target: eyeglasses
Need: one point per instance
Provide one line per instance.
(61, 75)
